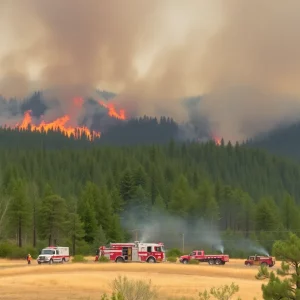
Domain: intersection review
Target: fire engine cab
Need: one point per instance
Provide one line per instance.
(133, 252)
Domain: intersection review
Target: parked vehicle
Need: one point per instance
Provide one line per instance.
(256, 260)
(54, 255)
(133, 252)
(212, 259)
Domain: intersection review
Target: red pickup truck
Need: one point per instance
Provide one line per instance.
(256, 260)
(213, 259)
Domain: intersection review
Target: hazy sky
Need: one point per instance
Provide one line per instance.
(242, 55)
(29, 26)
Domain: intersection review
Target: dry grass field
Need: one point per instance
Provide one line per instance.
(90, 280)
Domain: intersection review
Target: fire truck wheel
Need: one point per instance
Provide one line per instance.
(218, 262)
(151, 260)
(185, 261)
(248, 264)
(211, 261)
(119, 260)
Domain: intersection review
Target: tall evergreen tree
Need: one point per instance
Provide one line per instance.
(75, 230)
(19, 208)
(53, 216)
(127, 186)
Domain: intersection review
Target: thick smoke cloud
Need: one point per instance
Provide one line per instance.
(241, 56)
(251, 67)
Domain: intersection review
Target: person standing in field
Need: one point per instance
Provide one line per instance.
(29, 259)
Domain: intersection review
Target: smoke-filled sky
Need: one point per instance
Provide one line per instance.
(241, 55)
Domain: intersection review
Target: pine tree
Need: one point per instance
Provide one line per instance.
(159, 204)
(105, 210)
(115, 233)
(5, 201)
(100, 238)
(140, 177)
(91, 194)
(53, 216)
(88, 217)
(290, 213)
(181, 197)
(127, 186)
(267, 215)
(212, 213)
(288, 287)
(33, 195)
(117, 201)
(19, 209)
(75, 230)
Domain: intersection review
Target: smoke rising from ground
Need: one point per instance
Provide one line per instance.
(241, 56)
(171, 230)
(246, 246)
(184, 234)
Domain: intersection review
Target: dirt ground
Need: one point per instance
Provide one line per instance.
(90, 280)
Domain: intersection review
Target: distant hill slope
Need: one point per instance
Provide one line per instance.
(284, 141)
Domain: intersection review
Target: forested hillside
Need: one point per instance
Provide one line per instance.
(87, 196)
(130, 130)
(281, 141)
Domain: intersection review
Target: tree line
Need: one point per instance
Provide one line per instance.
(78, 196)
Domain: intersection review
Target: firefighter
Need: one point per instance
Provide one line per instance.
(97, 255)
(29, 259)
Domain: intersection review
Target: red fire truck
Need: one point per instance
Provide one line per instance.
(256, 260)
(133, 252)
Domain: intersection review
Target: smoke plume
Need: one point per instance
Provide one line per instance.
(173, 231)
(241, 56)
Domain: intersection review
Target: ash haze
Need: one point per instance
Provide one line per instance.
(240, 55)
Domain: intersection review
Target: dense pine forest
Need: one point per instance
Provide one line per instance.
(56, 190)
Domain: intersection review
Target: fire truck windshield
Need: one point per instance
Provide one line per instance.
(48, 251)
(159, 249)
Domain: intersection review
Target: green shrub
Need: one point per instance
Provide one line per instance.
(194, 262)
(221, 293)
(12, 251)
(113, 297)
(174, 252)
(132, 289)
(5, 249)
(79, 259)
(103, 259)
(172, 259)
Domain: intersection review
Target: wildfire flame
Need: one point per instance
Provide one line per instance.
(112, 111)
(60, 124)
(57, 125)
(217, 140)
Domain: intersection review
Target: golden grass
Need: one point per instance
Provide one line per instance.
(89, 281)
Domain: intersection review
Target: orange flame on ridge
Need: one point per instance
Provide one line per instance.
(57, 125)
(112, 111)
(217, 140)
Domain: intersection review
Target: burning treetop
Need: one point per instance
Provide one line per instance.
(60, 124)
